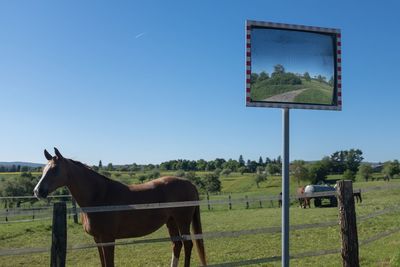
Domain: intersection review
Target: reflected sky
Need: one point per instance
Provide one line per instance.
(297, 51)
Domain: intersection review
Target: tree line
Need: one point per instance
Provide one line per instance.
(18, 168)
(347, 163)
(231, 165)
(281, 77)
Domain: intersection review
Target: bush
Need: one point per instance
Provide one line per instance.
(242, 170)
(217, 171)
(318, 172)
(212, 183)
(106, 174)
(154, 174)
(180, 173)
(20, 186)
(142, 178)
(260, 177)
(196, 180)
(226, 172)
(365, 171)
(349, 175)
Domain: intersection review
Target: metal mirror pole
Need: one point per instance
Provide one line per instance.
(285, 189)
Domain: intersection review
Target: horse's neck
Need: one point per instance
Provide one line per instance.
(86, 186)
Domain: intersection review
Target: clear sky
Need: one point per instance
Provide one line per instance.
(149, 81)
(298, 52)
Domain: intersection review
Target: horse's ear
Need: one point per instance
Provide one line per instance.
(58, 154)
(47, 155)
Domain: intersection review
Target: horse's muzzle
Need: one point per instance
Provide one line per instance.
(40, 192)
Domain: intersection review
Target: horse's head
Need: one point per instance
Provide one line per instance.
(54, 175)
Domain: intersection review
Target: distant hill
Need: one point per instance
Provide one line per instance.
(20, 163)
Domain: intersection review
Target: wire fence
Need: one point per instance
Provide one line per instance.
(259, 200)
(220, 234)
(213, 235)
(307, 253)
(45, 211)
(210, 235)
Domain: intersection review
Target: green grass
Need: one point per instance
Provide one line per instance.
(383, 252)
(260, 91)
(316, 92)
(319, 96)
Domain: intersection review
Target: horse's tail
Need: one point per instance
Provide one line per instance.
(196, 227)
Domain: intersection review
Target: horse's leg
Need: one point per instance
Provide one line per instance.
(101, 254)
(177, 244)
(106, 252)
(187, 245)
(109, 254)
(184, 228)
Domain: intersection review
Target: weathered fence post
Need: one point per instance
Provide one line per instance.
(208, 201)
(230, 202)
(348, 224)
(59, 235)
(247, 202)
(74, 212)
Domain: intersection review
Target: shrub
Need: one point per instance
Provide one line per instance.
(226, 172)
(196, 180)
(142, 178)
(349, 175)
(260, 177)
(106, 174)
(180, 173)
(212, 183)
(242, 170)
(365, 171)
(154, 174)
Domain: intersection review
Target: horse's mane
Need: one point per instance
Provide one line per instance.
(80, 164)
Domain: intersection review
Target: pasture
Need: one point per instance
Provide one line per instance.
(381, 252)
(313, 91)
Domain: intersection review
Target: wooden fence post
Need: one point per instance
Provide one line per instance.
(74, 212)
(247, 202)
(59, 235)
(348, 224)
(208, 201)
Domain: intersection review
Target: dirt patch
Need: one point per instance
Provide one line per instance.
(285, 97)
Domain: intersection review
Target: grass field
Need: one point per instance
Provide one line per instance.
(316, 92)
(382, 252)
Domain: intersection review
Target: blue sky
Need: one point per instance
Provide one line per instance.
(298, 52)
(149, 81)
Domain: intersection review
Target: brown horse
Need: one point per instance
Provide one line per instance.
(92, 189)
(303, 201)
(357, 195)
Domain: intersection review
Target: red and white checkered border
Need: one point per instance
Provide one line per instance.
(249, 103)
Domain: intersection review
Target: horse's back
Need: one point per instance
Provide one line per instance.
(166, 189)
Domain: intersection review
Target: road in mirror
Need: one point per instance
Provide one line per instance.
(292, 66)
